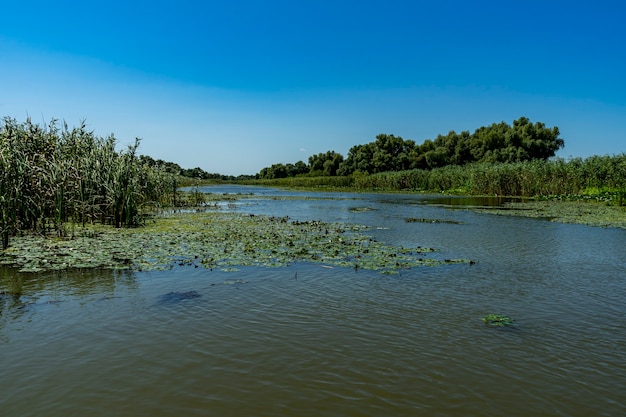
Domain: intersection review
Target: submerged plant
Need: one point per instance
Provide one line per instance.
(497, 320)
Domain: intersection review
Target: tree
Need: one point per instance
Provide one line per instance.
(386, 153)
(499, 142)
(325, 163)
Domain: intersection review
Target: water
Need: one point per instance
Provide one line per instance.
(306, 340)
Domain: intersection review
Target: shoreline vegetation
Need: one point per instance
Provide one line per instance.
(588, 191)
(60, 185)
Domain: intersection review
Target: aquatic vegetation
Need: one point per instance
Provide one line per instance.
(572, 177)
(577, 212)
(360, 209)
(215, 240)
(422, 220)
(53, 178)
(497, 320)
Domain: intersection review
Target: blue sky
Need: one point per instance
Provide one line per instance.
(235, 86)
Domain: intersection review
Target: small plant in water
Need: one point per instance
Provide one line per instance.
(497, 320)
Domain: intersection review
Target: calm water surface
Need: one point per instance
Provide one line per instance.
(307, 340)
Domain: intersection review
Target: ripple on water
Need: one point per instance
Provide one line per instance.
(308, 341)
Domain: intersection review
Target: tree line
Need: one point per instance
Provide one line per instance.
(500, 142)
(191, 173)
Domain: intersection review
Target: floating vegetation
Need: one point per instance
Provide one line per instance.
(497, 320)
(214, 240)
(360, 209)
(577, 212)
(422, 220)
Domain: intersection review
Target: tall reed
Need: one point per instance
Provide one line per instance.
(594, 175)
(51, 175)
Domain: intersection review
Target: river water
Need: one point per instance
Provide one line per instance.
(310, 340)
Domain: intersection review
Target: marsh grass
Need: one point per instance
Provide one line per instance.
(53, 178)
(601, 178)
(606, 175)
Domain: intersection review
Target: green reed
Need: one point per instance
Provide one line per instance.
(51, 176)
(591, 176)
(600, 177)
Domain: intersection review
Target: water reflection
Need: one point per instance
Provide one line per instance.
(23, 293)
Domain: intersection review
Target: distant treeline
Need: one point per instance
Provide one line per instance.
(500, 142)
(191, 173)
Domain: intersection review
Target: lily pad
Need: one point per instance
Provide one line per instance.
(497, 320)
(216, 240)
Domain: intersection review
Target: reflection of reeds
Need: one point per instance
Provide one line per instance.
(50, 176)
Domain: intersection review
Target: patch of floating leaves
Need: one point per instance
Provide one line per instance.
(223, 241)
(421, 220)
(497, 320)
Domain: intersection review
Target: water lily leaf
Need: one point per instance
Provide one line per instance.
(497, 320)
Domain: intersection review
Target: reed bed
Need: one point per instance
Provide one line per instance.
(597, 175)
(53, 177)
(307, 182)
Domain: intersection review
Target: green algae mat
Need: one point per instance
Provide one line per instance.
(215, 240)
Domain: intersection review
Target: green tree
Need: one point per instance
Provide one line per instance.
(386, 153)
(326, 164)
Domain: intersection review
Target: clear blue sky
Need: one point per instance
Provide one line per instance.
(234, 86)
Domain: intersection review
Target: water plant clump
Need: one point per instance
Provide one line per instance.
(577, 212)
(53, 178)
(423, 220)
(497, 320)
(215, 240)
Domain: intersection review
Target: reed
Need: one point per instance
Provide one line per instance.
(52, 176)
(597, 175)
(304, 182)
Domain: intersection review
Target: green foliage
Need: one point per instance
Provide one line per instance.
(283, 171)
(217, 240)
(303, 182)
(52, 175)
(524, 141)
(501, 142)
(326, 164)
(597, 175)
(386, 153)
(196, 173)
(497, 320)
